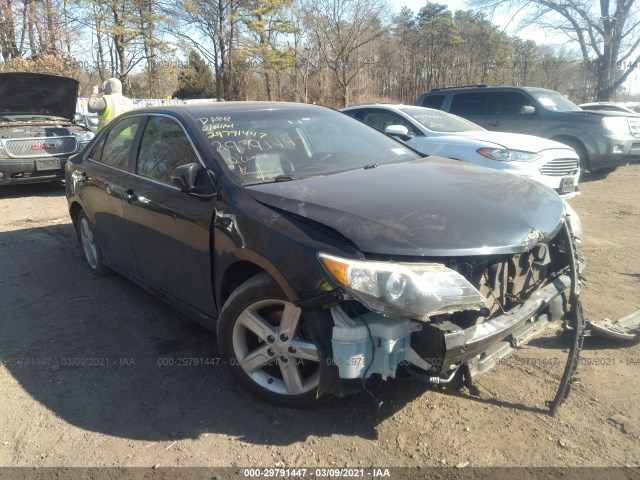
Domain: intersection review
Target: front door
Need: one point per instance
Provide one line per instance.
(169, 230)
(511, 112)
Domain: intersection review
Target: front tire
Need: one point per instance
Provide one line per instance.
(266, 343)
(90, 245)
(580, 149)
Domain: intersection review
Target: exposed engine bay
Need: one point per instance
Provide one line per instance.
(524, 293)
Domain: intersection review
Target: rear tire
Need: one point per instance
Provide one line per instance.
(264, 341)
(90, 245)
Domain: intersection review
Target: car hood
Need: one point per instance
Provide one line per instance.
(429, 207)
(510, 141)
(600, 113)
(38, 93)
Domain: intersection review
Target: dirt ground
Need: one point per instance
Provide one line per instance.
(90, 371)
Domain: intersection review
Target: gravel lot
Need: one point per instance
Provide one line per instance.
(96, 372)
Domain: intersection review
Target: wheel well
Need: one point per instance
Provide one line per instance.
(74, 209)
(236, 275)
(578, 146)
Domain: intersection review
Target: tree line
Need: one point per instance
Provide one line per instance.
(330, 52)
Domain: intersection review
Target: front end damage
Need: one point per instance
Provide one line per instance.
(521, 294)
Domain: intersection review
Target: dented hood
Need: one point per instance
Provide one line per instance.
(38, 93)
(429, 207)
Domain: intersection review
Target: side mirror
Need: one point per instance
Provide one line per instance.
(528, 110)
(185, 176)
(399, 131)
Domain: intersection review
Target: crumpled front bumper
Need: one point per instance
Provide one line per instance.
(473, 343)
(348, 357)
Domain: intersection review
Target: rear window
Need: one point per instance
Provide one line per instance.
(434, 101)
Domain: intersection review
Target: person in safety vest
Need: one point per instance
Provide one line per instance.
(110, 104)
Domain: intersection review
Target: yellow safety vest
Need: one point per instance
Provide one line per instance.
(116, 104)
(104, 116)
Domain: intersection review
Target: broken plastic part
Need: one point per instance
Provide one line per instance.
(625, 328)
(577, 323)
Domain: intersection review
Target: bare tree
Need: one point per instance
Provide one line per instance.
(608, 37)
(267, 22)
(341, 28)
(210, 27)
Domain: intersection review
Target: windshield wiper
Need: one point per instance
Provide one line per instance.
(285, 178)
(276, 179)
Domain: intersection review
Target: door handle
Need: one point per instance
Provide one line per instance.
(131, 196)
(493, 124)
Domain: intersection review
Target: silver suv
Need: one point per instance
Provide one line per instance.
(603, 140)
(38, 131)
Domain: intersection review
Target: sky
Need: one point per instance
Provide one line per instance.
(501, 19)
(505, 22)
(416, 5)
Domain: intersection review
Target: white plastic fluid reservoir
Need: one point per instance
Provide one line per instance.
(351, 350)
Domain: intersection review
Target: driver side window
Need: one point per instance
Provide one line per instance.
(164, 147)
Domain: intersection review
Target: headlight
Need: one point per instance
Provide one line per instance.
(84, 137)
(615, 124)
(505, 155)
(403, 289)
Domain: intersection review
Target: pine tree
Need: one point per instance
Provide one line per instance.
(195, 80)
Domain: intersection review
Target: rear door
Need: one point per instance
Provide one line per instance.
(104, 177)
(169, 230)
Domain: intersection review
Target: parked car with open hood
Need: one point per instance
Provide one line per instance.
(603, 140)
(433, 132)
(322, 251)
(37, 126)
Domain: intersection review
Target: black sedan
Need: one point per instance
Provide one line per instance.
(321, 251)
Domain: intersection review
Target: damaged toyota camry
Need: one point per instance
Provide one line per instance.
(323, 252)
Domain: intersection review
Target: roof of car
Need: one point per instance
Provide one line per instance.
(383, 105)
(492, 87)
(207, 108)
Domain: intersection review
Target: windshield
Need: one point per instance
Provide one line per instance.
(438, 121)
(554, 101)
(290, 143)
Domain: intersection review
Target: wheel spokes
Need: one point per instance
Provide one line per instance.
(257, 359)
(255, 323)
(282, 361)
(88, 233)
(290, 320)
(304, 350)
(291, 377)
